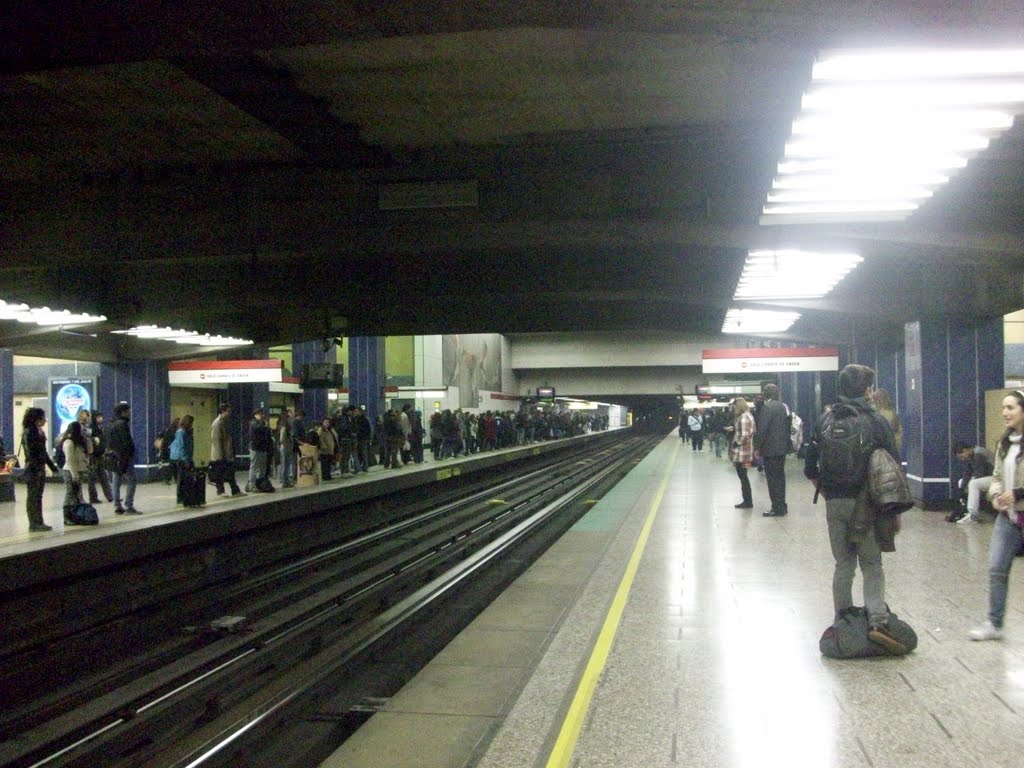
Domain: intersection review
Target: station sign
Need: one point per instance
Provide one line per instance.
(777, 360)
(225, 371)
(424, 393)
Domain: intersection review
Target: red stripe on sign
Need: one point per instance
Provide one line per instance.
(732, 354)
(221, 365)
(502, 396)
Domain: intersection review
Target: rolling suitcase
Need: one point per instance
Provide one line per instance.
(193, 487)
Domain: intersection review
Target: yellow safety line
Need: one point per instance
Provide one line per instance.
(561, 754)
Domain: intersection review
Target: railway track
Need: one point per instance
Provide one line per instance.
(266, 650)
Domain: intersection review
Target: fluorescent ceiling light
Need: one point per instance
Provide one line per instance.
(896, 64)
(792, 274)
(45, 316)
(183, 337)
(756, 321)
(879, 131)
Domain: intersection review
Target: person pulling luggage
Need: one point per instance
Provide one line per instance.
(181, 452)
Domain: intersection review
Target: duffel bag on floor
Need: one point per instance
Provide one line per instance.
(85, 514)
(848, 637)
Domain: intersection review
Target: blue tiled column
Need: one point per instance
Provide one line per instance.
(7, 399)
(314, 401)
(890, 374)
(145, 387)
(828, 386)
(366, 374)
(787, 388)
(244, 399)
(948, 369)
(806, 405)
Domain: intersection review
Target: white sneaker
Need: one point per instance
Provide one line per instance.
(986, 631)
(968, 519)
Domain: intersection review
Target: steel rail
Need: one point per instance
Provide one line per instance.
(359, 638)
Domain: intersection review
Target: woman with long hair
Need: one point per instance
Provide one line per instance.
(180, 451)
(77, 449)
(883, 404)
(1007, 496)
(37, 459)
(741, 447)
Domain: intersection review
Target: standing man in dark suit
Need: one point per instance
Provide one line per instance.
(772, 441)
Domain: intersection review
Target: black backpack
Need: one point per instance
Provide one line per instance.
(846, 440)
(58, 454)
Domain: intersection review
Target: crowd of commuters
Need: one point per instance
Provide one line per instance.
(89, 455)
(762, 435)
(347, 443)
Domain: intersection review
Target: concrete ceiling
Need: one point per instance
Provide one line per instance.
(293, 170)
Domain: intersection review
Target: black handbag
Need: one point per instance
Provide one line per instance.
(219, 471)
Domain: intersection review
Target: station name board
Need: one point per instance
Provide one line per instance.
(225, 371)
(779, 360)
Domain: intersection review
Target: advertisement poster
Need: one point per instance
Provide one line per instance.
(471, 362)
(67, 397)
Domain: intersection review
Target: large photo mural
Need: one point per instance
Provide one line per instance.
(471, 362)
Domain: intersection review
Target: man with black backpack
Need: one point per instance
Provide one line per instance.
(837, 463)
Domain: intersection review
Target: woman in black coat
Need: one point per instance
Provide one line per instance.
(37, 459)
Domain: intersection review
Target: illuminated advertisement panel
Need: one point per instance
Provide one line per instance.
(67, 397)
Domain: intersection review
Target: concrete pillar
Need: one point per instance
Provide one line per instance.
(949, 366)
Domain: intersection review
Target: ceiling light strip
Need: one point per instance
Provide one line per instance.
(757, 321)
(182, 336)
(792, 274)
(880, 130)
(44, 316)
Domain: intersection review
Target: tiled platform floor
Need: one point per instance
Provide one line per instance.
(715, 661)
(157, 502)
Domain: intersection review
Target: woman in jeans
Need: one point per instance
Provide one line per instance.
(1007, 496)
(181, 450)
(741, 447)
(37, 459)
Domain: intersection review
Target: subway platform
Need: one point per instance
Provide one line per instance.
(668, 628)
(156, 500)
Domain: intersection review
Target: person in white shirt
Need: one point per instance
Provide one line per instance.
(1007, 496)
